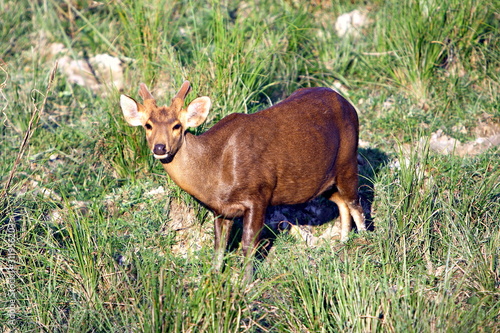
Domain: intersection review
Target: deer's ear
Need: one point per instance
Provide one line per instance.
(196, 112)
(132, 111)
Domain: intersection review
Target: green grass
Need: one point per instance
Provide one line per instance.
(93, 251)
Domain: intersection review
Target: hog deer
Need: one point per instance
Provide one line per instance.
(290, 153)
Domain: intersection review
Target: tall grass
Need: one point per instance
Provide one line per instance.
(438, 35)
(94, 250)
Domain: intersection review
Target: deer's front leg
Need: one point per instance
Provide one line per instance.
(222, 230)
(253, 222)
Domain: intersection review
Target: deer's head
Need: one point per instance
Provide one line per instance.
(165, 125)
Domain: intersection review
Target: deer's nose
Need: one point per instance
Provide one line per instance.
(160, 149)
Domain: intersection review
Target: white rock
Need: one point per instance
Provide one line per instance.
(351, 23)
(98, 72)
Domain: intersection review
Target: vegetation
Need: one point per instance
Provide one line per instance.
(88, 247)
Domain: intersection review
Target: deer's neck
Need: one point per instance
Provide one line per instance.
(191, 167)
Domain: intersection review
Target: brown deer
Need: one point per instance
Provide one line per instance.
(290, 153)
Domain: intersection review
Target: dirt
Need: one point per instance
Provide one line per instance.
(190, 235)
(487, 136)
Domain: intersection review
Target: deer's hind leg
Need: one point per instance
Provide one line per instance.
(346, 198)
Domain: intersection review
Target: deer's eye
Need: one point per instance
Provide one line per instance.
(148, 126)
(176, 127)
